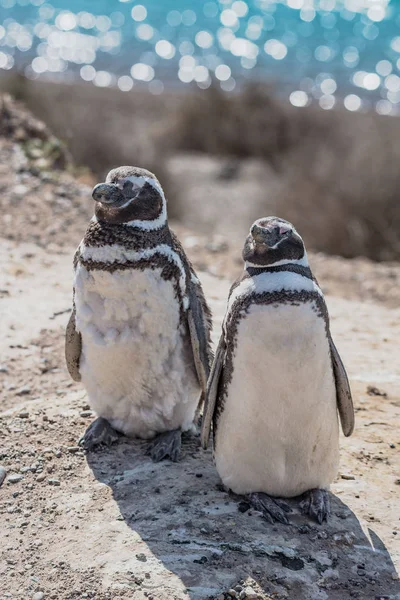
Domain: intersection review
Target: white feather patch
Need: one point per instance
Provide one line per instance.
(270, 283)
(116, 253)
(278, 432)
(160, 221)
(134, 361)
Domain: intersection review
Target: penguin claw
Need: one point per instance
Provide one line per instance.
(273, 509)
(99, 433)
(166, 445)
(317, 505)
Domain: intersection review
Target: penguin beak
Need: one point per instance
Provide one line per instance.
(108, 194)
(271, 235)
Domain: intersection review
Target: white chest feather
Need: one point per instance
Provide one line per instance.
(135, 363)
(278, 432)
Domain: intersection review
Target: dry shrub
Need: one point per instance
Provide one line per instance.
(252, 123)
(338, 172)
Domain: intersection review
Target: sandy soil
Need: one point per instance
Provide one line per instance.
(112, 524)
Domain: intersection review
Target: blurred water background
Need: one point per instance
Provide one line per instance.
(326, 51)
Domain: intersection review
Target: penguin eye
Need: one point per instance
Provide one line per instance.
(128, 187)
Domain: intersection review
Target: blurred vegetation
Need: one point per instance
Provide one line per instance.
(339, 175)
(338, 172)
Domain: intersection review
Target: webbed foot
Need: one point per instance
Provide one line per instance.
(273, 509)
(316, 504)
(166, 445)
(99, 433)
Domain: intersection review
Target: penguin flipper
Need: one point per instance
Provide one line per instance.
(199, 323)
(343, 392)
(73, 348)
(212, 392)
(200, 366)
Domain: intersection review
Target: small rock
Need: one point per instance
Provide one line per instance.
(201, 561)
(23, 391)
(3, 369)
(141, 557)
(348, 477)
(15, 478)
(3, 474)
(232, 593)
(55, 482)
(248, 594)
(374, 391)
(74, 449)
(24, 414)
(41, 477)
(221, 597)
(38, 596)
(86, 413)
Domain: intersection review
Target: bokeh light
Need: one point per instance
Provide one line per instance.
(123, 43)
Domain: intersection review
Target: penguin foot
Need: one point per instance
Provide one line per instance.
(99, 433)
(273, 509)
(316, 504)
(166, 445)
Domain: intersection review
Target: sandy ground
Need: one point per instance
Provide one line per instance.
(114, 525)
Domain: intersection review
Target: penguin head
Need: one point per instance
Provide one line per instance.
(273, 240)
(131, 195)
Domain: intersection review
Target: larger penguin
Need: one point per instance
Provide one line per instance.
(277, 381)
(139, 333)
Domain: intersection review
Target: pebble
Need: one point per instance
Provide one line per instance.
(141, 557)
(24, 414)
(348, 477)
(232, 593)
(74, 449)
(55, 482)
(3, 474)
(23, 391)
(248, 594)
(38, 596)
(86, 413)
(15, 478)
(41, 477)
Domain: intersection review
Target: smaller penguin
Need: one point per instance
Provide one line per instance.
(139, 333)
(277, 381)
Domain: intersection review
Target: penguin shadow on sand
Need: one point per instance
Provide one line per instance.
(198, 541)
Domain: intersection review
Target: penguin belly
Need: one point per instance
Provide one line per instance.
(278, 431)
(137, 363)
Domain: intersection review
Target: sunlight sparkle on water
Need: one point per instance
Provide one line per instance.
(124, 43)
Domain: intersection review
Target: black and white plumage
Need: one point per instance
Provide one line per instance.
(139, 334)
(277, 381)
